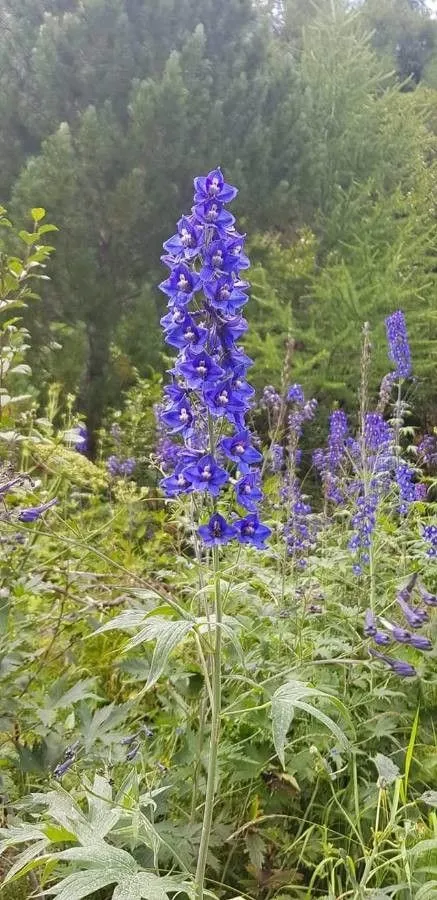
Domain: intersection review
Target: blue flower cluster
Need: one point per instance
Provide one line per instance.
(121, 468)
(372, 484)
(427, 451)
(398, 346)
(206, 404)
(415, 616)
(429, 534)
(300, 531)
(329, 462)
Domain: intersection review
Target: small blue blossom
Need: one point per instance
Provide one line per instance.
(398, 346)
(239, 449)
(248, 492)
(398, 666)
(251, 531)
(35, 512)
(206, 475)
(217, 531)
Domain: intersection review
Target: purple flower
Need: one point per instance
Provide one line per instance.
(226, 294)
(206, 475)
(199, 369)
(251, 531)
(426, 597)
(35, 512)
(213, 213)
(217, 531)
(186, 334)
(404, 478)
(186, 242)
(415, 617)
(429, 534)
(248, 492)
(427, 450)
(277, 457)
(370, 628)
(213, 187)
(179, 417)
(181, 284)
(225, 401)
(82, 442)
(398, 666)
(239, 449)
(296, 394)
(398, 346)
(176, 484)
(381, 638)
(420, 642)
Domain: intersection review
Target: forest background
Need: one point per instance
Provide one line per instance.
(324, 113)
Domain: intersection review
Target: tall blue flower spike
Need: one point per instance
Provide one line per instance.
(206, 405)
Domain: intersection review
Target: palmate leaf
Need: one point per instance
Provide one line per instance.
(144, 886)
(83, 884)
(293, 695)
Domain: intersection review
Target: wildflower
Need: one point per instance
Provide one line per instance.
(63, 767)
(426, 597)
(429, 534)
(276, 457)
(404, 478)
(251, 531)
(398, 346)
(35, 512)
(205, 407)
(427, 450)
(398, 666)
(217, 531)
(415, 617)
(82, 440)
(370, 627)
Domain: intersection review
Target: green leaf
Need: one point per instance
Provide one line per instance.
(131, 618)
(171, 634)
(291, 696)
(388, 771)
(429, 797)
(82, 884)
(22, 862)
(144, 885)
(37, 213)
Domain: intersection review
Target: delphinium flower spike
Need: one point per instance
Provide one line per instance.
(206, 405)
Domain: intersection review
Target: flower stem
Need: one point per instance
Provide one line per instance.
(214, 736)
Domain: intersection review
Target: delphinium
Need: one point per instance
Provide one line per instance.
(413, 602)
(300, 531)
(118, 465)
(205, 406)
(330, 463)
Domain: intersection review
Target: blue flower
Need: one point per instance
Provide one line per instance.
(186, 334)
(176, 484)
(199, 370)
(213, 187)
(179, 417)
(186, 242)
(426, 597)
(398, 666)
(225, 400)
(206, 475)
(415, 617)
(251, 531)
(398, 346)
(213, 213)
(239, 449)
(181, 284)
(248, 492)
(217, 531)
(35, 512)
(225, 294)
(429, 534)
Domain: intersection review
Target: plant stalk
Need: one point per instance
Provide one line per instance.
(214, 736)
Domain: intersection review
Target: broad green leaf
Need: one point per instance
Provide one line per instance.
(144, 886)
(171, 635)
(82, 884)
(37, 213)
(29, 855)
(293, 695)
(98, 854)
(388, 771)
(131, 618)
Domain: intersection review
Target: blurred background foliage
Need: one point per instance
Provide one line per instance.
(323, 112)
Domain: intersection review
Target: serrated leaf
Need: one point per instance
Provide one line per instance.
(282, 717)
(388, 771)
(168, 640)
(256, 848)
(100, 855)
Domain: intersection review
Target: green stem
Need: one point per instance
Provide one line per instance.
(214, 736)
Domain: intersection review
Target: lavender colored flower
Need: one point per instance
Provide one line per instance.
(239, 449)
(296, 394)
(82, 443)
(213, 187)
(420, 642)
(426, 597)
(276, 457)
(370, 627)
(398, 666)
(398, 346)
(429, 535)
(405, 481)
(427, 450)
(381, 638)
(35, 512)
(414, 616)
(421, 492)
(218, 531)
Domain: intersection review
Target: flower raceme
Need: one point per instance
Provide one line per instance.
(205, 406)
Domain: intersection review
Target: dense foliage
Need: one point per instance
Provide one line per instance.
(218, 538)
